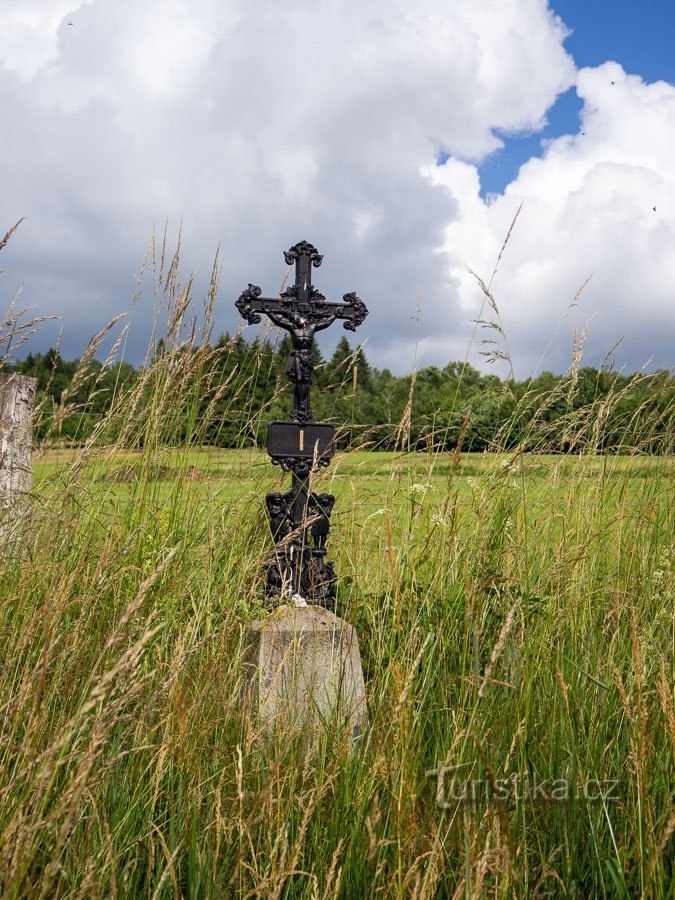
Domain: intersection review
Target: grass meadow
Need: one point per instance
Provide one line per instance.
(515, 619)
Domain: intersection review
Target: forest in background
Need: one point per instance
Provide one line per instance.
(442, 408)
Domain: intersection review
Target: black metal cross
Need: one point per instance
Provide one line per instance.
(302, 311)
(299, 518)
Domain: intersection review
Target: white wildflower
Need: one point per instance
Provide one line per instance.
(420, 489)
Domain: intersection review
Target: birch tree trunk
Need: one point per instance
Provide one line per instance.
(17, 399)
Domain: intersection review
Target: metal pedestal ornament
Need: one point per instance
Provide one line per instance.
(300, 519)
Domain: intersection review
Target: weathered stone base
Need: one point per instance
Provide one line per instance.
(303, 668)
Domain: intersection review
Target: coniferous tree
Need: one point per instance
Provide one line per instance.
(246, 386)
(341, 361)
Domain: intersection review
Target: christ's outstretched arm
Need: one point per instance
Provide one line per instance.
(281, 322)
(324, 323)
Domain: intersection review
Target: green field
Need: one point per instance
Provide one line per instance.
(515, 616)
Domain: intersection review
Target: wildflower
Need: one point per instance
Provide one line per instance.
(420, 489)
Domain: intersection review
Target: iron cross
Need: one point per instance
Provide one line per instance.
(302, 311)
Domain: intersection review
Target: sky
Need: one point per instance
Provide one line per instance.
(402, 139)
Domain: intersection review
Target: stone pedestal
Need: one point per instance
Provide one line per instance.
(17, 397)
(303, 668)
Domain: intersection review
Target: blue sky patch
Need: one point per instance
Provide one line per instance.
(501, 167)
(638, 35)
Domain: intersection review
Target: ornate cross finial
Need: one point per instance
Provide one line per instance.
(304, 255)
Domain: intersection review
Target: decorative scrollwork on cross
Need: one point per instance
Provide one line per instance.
(358, 310)
(300, 467)
(303, 249)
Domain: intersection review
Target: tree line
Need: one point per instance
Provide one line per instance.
(240, 386)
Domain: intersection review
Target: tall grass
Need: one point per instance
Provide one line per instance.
(515, 616)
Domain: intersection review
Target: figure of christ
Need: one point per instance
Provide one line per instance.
(301, 362)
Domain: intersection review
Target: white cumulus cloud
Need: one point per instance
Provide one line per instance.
(599, 203)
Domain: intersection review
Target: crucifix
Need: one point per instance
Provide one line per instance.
(300, 445)
(302, 311)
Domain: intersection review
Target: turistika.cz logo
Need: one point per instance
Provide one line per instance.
(452, 789)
